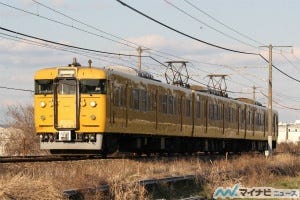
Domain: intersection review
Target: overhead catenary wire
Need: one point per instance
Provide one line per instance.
(120, 54)
(72, 26)
(158, 53)
(290, 62)
(223, 24)
(79, 48)
(16, 89)
(283, 106)
(64, 24)
(184, 34)
(66, 45)
(65, 49)
(97, 51)
(95, 28)
(86, 24)
(209, 26)
(282, 72)
(90, 26)
(48, 46)
(202, 41)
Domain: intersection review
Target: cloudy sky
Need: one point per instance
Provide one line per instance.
(108, 26)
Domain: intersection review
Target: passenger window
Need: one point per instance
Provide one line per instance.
(44, 86)
(171, 105)
(198, 109)
(143, 96)
(188, 107)
(211, 111)
(66, 86)
(116, 98)
(230, 114)
(135, 99)
(164, 104)
(93, 86)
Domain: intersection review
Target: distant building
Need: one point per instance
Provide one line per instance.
(289, 132)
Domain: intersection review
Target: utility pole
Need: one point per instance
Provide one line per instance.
(270, 115)
(270, 98)
(140, 51)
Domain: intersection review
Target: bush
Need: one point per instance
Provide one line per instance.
(22, 136)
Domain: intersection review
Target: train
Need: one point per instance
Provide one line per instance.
(90, 110)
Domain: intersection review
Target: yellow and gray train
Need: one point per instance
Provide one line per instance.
(103, 110)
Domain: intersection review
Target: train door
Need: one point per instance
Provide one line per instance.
(66, 112)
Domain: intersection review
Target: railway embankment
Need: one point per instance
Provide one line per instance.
(48, 180)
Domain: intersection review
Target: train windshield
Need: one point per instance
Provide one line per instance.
(93, 86)
(66, 86)
(44, 86)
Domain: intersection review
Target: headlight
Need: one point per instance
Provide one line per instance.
(43, 104)
(93, 104)
(92, 137)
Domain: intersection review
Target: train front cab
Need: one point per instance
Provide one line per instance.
(70, 108)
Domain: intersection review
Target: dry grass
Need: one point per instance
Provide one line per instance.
(288, 147)
(48, 180)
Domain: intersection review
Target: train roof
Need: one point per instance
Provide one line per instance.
(70, 71)
(131, 71)
(134, 77)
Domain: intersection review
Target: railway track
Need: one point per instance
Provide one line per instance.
(49, 158)
(147, 183)
(53, 158)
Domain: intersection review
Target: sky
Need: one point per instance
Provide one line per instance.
(108, 26)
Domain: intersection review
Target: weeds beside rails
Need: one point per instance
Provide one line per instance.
(135, 190)
(48, 180)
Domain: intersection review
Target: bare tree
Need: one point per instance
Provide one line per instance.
(22, 137)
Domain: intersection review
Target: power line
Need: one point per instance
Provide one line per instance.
(202, 41)
(66, 45)
(95, 28)
(83, 23)
(209, 26)
(85, 49)
(290, 62)
(80, 48)
(105, 32)
(279, 69)
(90, 26)
(184, 34)
(16, 89)
(283, 106)
(45, 45)
(69, 46)
(127, 40)
(218, 21)
(64, 24)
